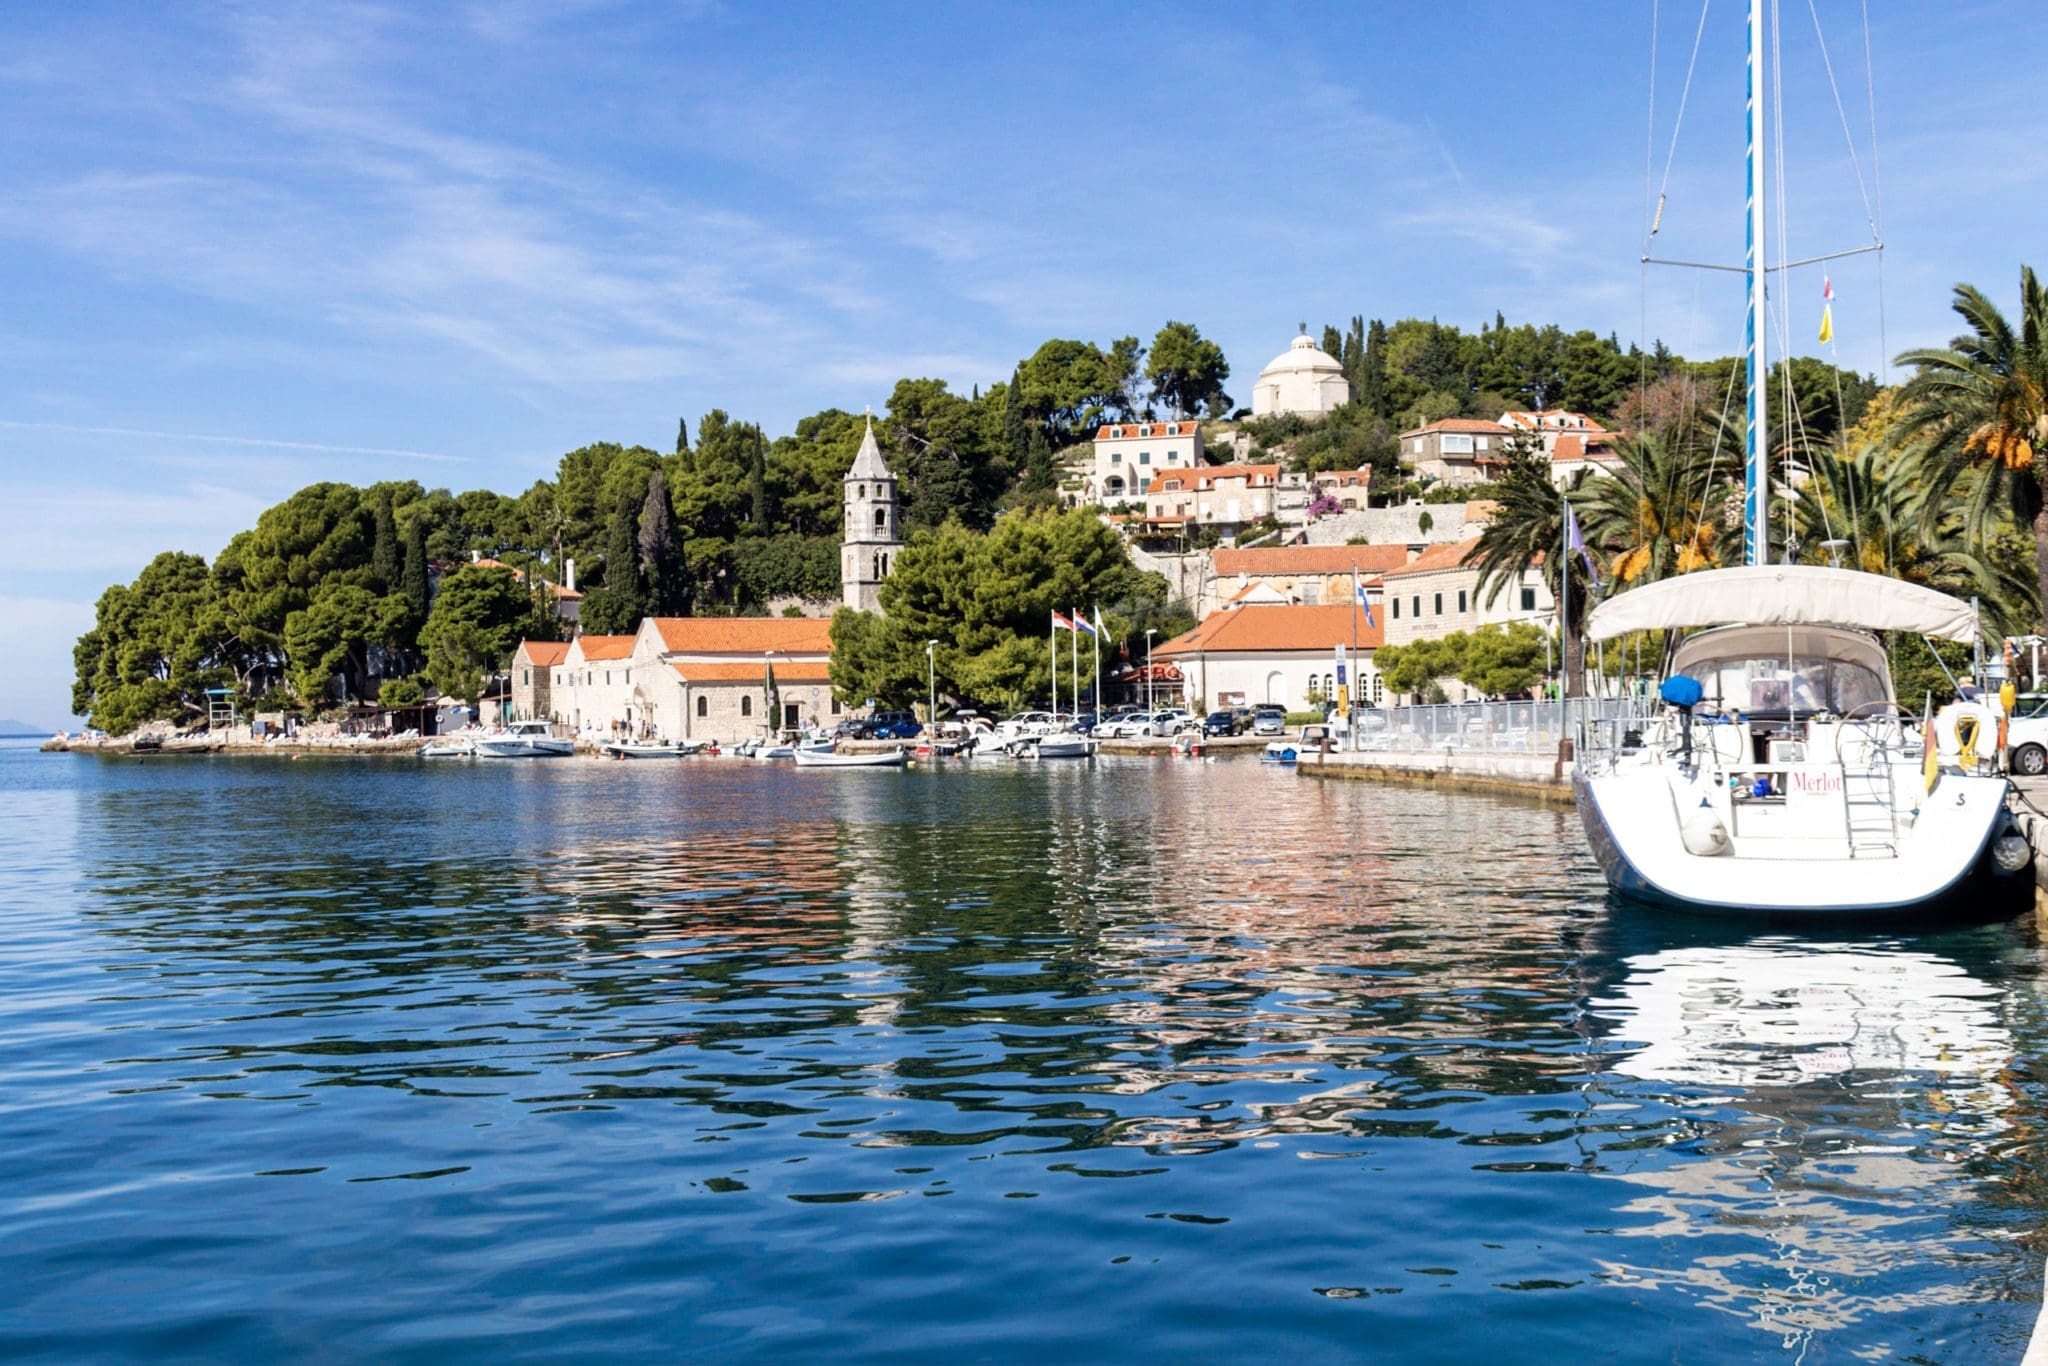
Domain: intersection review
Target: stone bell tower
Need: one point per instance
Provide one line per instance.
(874, 531)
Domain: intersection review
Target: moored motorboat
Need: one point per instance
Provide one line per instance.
(1310, 741)
(824, 758)
(449, 747)
(1059, 745)
(1782, 776)
(649, 749)
(523, 740)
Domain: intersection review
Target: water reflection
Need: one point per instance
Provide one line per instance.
(1834, 1095)
(1344, 1050)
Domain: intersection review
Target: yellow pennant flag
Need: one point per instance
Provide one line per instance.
(1827, 322)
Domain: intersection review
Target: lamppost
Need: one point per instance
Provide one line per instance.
(1150, 631)
(931, 709)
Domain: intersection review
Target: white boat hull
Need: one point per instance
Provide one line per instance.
(825, 758)
(1942, 859)
(524, 747)
(1062, 747)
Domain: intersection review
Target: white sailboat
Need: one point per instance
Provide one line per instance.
(1783, 776)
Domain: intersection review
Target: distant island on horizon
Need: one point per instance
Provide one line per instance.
(11, 729)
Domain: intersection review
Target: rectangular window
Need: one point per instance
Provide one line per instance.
(1439, 604)
(1456, 443)
(1311, 592)
(1485, 443)
(1144, 457)
(1528, 599)
(1116, 457)
(607, 678)
(1397, 607)
(1461, 599)
(526, 676)
(1416, 605)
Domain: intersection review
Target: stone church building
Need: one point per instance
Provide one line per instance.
(874, 528)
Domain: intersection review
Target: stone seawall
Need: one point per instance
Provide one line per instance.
(1537, 775)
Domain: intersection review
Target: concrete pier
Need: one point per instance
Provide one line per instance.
(1518, 773)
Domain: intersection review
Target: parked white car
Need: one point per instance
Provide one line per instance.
(1027, 723)
(2027, 743)
(1164, 722)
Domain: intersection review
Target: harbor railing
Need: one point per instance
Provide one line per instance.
(1487, 727)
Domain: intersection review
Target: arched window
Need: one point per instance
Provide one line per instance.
(746, 704)
(878, 565)
(860, 490)
(881, 519)
(703, 705)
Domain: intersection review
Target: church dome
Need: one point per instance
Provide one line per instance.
(1302, 379)
(1302, 354)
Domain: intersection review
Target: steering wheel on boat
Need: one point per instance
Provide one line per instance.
(1868, 732)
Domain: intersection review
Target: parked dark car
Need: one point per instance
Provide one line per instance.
(1084, 724)
(888, 725)
(1219, 723)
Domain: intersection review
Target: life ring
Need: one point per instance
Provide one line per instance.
(1965, 731)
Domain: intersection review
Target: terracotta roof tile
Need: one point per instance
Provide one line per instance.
(1458, 424)
(1437, 557)
(1309, 559)
(588, 649)
(1254, 629)
(794, 671)
(1205, 477)
(745, 635)
(1128, 431)
(544, 653)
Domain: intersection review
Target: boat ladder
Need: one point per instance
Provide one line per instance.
(1871, 814)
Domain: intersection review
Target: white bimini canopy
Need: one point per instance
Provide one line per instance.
(1785, 595)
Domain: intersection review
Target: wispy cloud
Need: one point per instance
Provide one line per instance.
(265, 442)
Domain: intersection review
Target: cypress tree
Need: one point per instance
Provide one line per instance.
(413, 577)
(757, 482)
(385, 558)
(622, 581)
(657, 546)
(682, 436)
(1372, 377)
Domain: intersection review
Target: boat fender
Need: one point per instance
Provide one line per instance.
(1960, 727)
(1703, 833)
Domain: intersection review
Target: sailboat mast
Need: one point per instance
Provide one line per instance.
(1755, 476)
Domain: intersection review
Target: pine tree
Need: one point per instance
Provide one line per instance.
(657, 546)
(386, 560)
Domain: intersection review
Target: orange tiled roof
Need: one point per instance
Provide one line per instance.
(1308, 559)
(1129, 431)
(793, 671)
(1252, 629)
(545, 653)
(1437, 557)
(592, 648)
(1458, 424)
(745, 635)
(1205, 477)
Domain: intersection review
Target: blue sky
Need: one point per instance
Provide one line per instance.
(246, 248)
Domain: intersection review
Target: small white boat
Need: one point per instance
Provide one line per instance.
(453, 747)
(650, 749)
(523, 740)
(825, 758)
(1310, 741)
(1062, 745)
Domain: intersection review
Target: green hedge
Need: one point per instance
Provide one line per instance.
(1304, 718)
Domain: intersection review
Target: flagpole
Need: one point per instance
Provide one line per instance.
(1074, 658)
(1564, 595)
(1095, 645)
(1357, 675)
(1052, 640)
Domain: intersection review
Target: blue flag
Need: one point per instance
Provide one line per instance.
(1574, 541)
(1364, 604)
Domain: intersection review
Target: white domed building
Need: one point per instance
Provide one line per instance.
(1302, 379)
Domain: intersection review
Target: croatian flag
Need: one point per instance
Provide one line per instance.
(1081, 624)
(1574, 541)
(1364, 603)
(1060, 623)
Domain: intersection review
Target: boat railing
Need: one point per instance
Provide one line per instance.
(1530, 726)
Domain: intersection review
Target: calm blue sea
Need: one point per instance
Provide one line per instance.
(1130, 1061)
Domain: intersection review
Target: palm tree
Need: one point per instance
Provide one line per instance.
(1978, 413)
(1874, 501)
(1662, 512)
(1526, 530)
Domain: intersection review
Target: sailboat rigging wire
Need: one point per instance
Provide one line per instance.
(1828, 65)
(1877, 187)
(1679, 121)
(1649, 225)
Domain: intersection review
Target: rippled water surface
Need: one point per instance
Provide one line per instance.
(1126, 1061)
